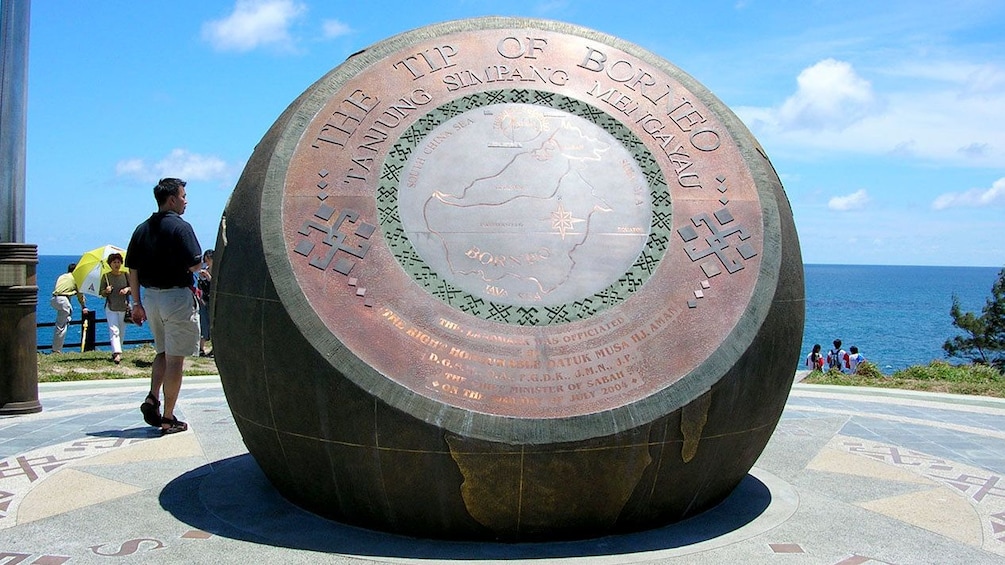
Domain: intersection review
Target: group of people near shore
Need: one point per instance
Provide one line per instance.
(167, 283)
(114, 288)
(836, 358)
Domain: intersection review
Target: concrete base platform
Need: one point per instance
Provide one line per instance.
(851, 476)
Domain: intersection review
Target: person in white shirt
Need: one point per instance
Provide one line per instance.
(854, 359)
(837, 358)
(815, 360)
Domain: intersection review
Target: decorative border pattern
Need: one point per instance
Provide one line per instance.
(983, 489)
(397, 239)
(20, 473)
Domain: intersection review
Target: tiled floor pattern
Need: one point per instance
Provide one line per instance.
(89, 447)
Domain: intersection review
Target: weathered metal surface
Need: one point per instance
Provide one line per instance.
(14, 17)
(18, 303)
(500, 248)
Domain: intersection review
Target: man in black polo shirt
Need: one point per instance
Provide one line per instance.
(162, 255)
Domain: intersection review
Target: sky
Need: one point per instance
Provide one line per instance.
(884, 120)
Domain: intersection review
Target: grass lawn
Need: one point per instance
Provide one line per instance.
(937, 376)
(94, 365)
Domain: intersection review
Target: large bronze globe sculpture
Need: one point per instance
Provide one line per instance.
(507, 279)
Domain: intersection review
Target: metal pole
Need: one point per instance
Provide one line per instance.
(18, 260)
(13, 116)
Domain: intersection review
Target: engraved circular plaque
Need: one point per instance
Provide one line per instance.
(481, 254)
(524, 223)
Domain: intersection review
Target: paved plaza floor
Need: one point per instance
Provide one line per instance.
(851, 476)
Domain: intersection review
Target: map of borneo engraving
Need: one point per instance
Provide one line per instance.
(479, 259)
(544, 218)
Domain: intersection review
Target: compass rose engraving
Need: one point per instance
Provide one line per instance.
(562, 220)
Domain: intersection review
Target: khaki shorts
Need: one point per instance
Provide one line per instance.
(173, 315)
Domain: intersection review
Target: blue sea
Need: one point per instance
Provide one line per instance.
(897, 316)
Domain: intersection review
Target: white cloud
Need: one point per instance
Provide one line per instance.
(975, 150)
(131, 168)
(830, 96)
(936, 112)
(970, 78)
(977, 197)
(854, 201)
(985, 79)
(254, 23)
(334, 28)
(179, 163)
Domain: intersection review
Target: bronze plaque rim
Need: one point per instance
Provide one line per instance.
(493, 426)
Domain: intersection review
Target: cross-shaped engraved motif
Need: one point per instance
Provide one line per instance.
(335, 239)
(985, 486)
(998, 525)
(99, 443)
(31, 468)
(717, 243)
(5, 499)
(892, 454)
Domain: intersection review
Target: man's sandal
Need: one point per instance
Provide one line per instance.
(174, 426)
(151, 412)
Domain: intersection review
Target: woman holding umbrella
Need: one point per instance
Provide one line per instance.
(115, 290)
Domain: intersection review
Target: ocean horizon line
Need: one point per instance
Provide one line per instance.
(804, 263)
(898, 315)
